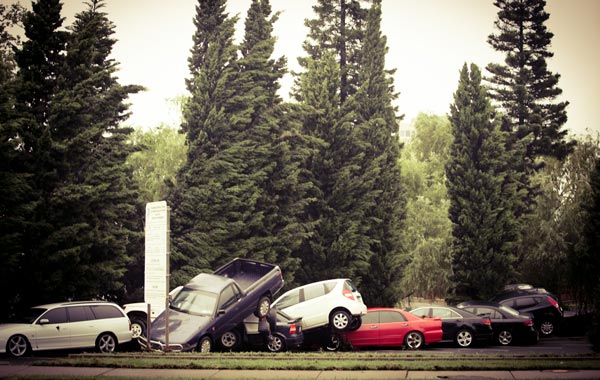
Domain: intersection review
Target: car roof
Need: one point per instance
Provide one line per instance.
(74, 303)
(209, 282)
(479, 303)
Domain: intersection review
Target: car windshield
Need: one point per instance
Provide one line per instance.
(510, 310)
(28, 316)
(196, 302)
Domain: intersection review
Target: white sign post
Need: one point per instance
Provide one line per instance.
(157, 242)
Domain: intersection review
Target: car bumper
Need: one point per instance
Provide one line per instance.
(293, 342)
(155, 345)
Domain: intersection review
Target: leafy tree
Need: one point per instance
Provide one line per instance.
(483, 225)
(428, 231)
(338, 28)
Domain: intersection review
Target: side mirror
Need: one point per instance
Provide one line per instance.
(220, 312)
(44, 321)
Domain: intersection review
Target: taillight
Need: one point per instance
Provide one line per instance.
(528, 323)
(554, 303)
(487, 322)
(348, 294)
(293, 329)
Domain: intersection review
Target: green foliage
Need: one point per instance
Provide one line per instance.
(482, 222)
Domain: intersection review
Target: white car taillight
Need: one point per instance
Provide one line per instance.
(348, 294)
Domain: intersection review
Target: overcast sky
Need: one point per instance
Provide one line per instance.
(428, 41)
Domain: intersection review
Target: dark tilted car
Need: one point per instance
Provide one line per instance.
(509, 325)
(210, 308)
(459, 326)
(277, 332)
(547, 312)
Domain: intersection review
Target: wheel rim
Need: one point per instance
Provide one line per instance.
(333, 344)
(205, 345)
(340, 321)
(264, 307)
(276, 344)
(414, 341)
(106, 343)
(464, 338)
(17, 345)
(229, 339)
(504, 338)
(547, 328)
(136, 330)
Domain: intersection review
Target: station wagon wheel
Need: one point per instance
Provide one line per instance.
(413, 340)
(17, 346)
(340, 319)
(205, 345)
(106, 343)
(505, 337)
(276, 344)
(547, 327)
(464, 338)
(263, 306)
(230, 340)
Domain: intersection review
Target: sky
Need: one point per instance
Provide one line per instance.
(428, 42)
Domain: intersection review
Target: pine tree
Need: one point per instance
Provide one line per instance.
(480, 196)
(380, 204)
(339, 28)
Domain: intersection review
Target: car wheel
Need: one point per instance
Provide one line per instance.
(505, 338)
(355, 324)
(464, 338)
(333, 342)
(106, 343)
(414, 340)
(17, 346)
(276, 344)
(263, 306)
(138, 327)
(340, 319)
(547, 327)
(205, 345)
(230, 340)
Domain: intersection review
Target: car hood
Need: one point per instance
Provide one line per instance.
(183, 327)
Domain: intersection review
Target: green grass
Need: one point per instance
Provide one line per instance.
(328, 361)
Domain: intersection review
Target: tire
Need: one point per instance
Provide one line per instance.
(505, 338)
(464, 338)
(106, 343)
(333, 342)
(204, 345)
(355, 324)
(340, 320)
(414, 340)
(138, 326)
(547, 327)
(277, 344)
(263, 306)
(230, 340)
(18, 346)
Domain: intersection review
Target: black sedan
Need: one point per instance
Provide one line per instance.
(509, 325)
(459, 326)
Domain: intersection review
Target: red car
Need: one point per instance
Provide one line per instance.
(395, 328)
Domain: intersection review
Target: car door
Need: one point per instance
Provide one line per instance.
(393, 327)
(368, 333)
(229, 312)
(451, 321)
(310, 306)
(52, 330)
(82, 325)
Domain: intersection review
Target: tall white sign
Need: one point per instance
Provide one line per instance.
(156, 280)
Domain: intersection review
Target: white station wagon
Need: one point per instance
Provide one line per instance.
(336, 303)
(92, 324)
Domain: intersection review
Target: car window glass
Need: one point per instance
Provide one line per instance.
(524, 302)
(289, 299)
(228, 297)
(58, 315)
(329, 286)
(422, 312)
(106, 311)
(80, 313)
(313, 291)
(371, 317)
(391, 316)
(441, 312)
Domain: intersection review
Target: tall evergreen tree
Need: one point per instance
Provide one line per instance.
(480, 195)
(379, 204)
(339, 28)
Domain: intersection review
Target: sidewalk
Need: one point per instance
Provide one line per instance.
(81, 373)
